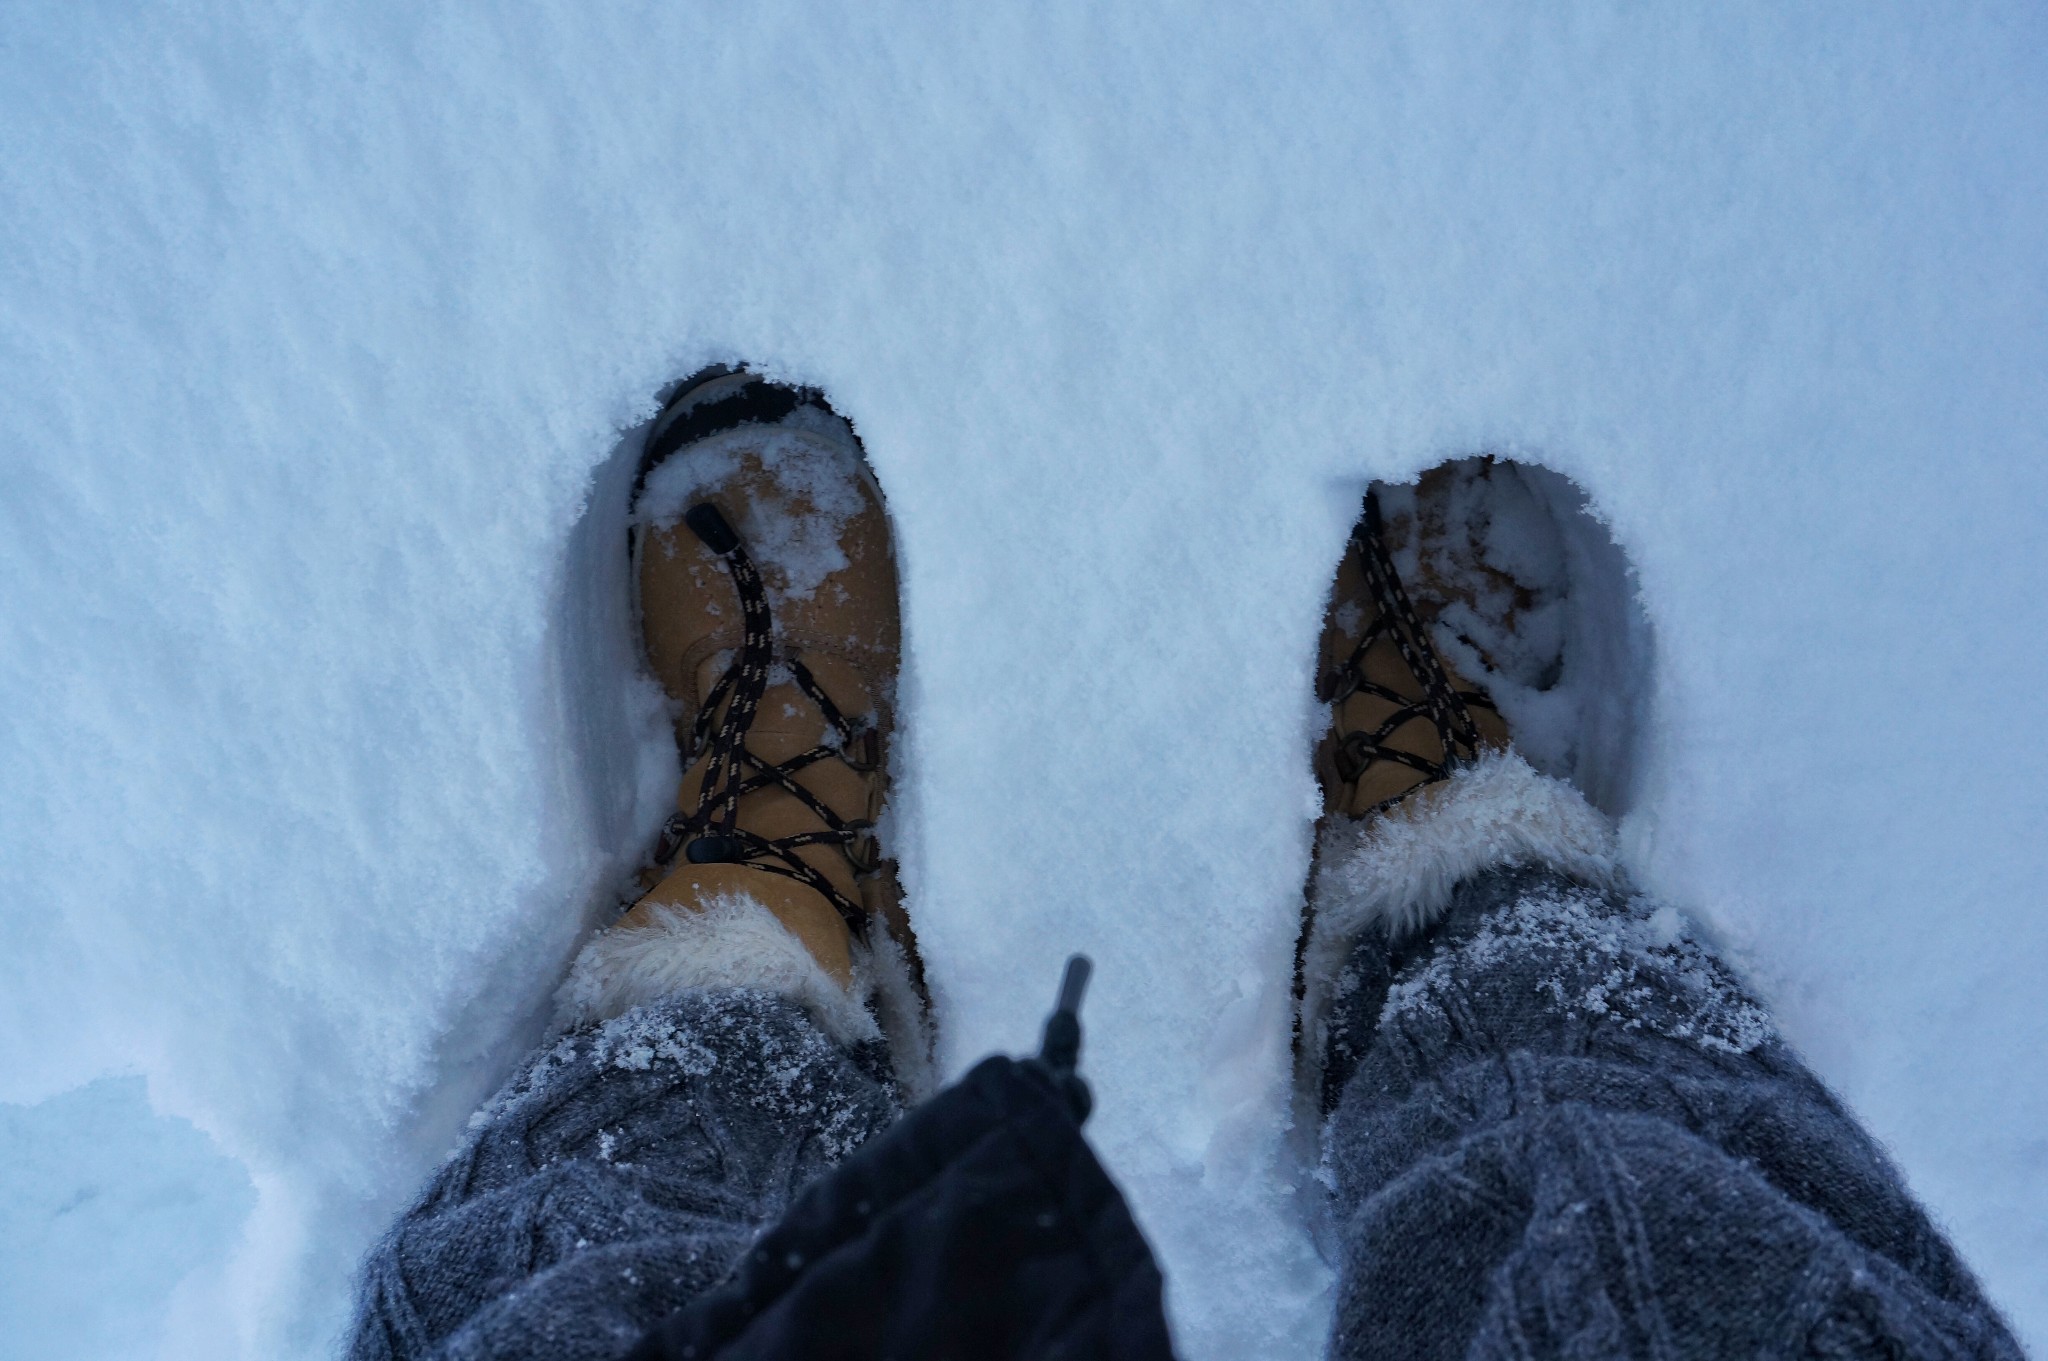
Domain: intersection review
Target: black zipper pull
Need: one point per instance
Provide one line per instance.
(1060, 1050)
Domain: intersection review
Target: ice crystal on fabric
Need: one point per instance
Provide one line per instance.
(1632, 963)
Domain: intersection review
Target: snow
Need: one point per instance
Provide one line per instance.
(808, 471)
(1657, 978)
(106, 1202)
(1531, 596)
(325, 326)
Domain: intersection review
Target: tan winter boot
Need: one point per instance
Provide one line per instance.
(768, 599)
(1401, 716)
(1421, 787)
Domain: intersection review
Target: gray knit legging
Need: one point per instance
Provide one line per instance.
(1564, 1131)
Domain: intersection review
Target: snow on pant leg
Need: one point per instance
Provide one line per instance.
(1570, 1133)
(615, 1178)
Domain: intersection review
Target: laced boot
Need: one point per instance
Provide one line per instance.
(768, 599)
(1403, 722)
(1401, 717)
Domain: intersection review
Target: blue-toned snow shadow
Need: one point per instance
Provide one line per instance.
(107, 1208)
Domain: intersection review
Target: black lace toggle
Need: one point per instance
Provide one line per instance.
(711, 528)
(715, 850)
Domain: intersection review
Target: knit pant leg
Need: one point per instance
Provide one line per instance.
(614, 1179)
(1567, 1131)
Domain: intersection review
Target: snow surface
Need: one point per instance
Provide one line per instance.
(318, 750)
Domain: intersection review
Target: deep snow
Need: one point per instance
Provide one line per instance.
(322, 326)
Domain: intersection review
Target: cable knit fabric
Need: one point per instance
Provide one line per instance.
(617, 1177)
(1555, 1127)
(1562, 1129)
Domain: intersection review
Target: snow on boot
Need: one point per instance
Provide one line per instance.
(769, 607)
(1400, 714)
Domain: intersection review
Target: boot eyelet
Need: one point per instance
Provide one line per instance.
(670, 843)
(863, 751)
(1337, 686)
(863, 850)
(1353, 756)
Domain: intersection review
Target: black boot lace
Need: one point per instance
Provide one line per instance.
(712, 833)
(1444, 705)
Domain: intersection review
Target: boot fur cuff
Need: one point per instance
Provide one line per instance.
(1397, 870)
(731, 942)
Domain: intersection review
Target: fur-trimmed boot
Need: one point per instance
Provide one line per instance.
(1422, 787)
(769, 608)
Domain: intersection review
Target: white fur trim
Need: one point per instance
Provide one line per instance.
(883, 967)
(732, 941)
(1398, 869)
(1395, 872)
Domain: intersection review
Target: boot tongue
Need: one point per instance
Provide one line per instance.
(788, 720)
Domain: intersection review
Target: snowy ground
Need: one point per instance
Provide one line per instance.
(322, 323)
